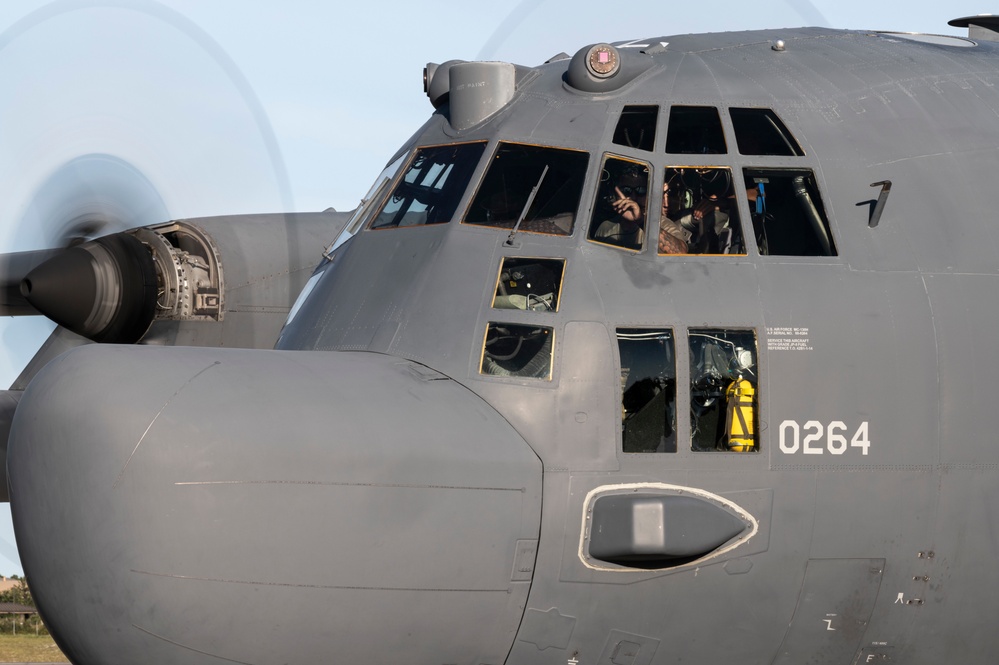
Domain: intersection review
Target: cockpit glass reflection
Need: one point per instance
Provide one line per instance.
(431, 187)
(536, 186)
(648, 390)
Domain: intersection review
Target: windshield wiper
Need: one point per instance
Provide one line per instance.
(527, 206)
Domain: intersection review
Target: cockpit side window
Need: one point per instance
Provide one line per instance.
(695, 130)
(761, 132)
(788, 216)
(553, 176)
(431, 187)
(368, 204)
(619, 213)
(636, 128)
(723, 385)
(648, 390)
(700, 213)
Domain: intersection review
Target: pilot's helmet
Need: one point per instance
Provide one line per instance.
(634, 177)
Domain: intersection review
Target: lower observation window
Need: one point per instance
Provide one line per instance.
(529, 284)
(648, 390)
(517, 350)
(723, 385)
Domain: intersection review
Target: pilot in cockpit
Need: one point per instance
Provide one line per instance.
(625, 203)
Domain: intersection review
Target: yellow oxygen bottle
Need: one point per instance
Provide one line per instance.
(740, 397)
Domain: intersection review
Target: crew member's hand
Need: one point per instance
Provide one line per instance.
(627, 208)
(704, 207)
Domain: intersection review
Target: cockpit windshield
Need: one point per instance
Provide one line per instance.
(431, 187)
(554, 175)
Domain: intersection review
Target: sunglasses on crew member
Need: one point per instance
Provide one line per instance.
(628, 191)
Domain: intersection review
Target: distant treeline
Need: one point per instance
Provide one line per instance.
(17, 624)
(19, 593)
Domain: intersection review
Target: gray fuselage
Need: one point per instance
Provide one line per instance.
(443, 465)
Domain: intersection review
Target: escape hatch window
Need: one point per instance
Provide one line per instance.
(695, 130)
(788, 216)
(542, 185)
(517, 350)
(761, 132)
(431, 187)
(529, 284)
(723, 386)
(700, 212)
(622, 200)
(636, 128)
(648, 390)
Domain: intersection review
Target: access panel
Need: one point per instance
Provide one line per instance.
(834, 608)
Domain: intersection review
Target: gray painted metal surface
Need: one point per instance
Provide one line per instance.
(383, 489)
(266, 508)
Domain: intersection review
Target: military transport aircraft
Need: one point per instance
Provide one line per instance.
(672, 350)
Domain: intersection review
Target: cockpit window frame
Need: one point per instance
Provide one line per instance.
(527, 226)
(513, 329)
(633, 116)
(540, 302)
(716, 386)
(401, 173)
(665, 384)
(811, 206)
(792, 147)
(736, 195)
(678, 140)
(598, 192)
(370, 203)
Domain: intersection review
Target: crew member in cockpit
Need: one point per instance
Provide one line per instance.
(672, 237)
(702, 211)
(627, 201)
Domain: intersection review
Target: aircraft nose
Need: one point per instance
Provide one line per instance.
(190, 505)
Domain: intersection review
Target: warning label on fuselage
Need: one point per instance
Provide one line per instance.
(788, 339)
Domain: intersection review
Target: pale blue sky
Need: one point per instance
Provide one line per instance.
(244, 106)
